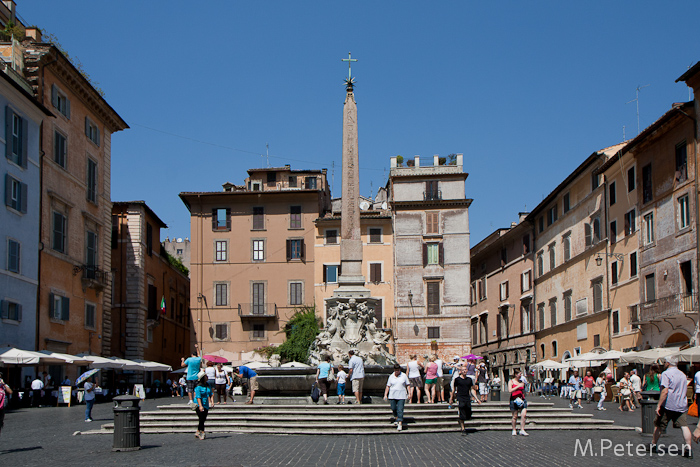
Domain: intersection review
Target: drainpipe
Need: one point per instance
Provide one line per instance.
(41, 243)
(607, 260)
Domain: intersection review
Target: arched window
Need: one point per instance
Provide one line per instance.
(554, 349)
(542, 349)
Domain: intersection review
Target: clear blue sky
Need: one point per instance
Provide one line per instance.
(526, 90)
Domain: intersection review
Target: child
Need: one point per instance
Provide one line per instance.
(342, 375)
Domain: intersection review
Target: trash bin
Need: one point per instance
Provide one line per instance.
(127, 431)
(495, 392)
(648, 415)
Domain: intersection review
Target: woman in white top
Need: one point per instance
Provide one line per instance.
(396, 393)
(220, 379)
(413, 369)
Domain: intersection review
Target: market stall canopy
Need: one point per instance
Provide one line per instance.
(126, 364)
(691, 355)
(153, 366)
(549, 365)
(647, 357)
(610, 355)
(66, 357)
(585, 357)
(13, 356)
(101, 362)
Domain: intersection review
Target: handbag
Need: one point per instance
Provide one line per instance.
(331, 375)
(693, 409)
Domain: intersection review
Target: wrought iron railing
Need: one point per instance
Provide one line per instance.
(257, 310)
(92, 273)
(665, 307)
(432, 195)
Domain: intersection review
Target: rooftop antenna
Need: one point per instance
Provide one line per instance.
(333, 175)
(690, 90)
(624, 138)
(636, 99)
(267, 153)
(371, 190)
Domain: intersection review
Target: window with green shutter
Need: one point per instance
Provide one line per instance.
(13, 256)
(16, 129)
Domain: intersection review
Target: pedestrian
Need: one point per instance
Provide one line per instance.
(651, 379)
(672, 405)
(89, 398)
(413, 369)
(625, 392)
(357, 375)
(182, 386)
(174, 388)
(246, 372)
(588, 383)
(322, 372)
(210, 371)
(430, 379)
(5, 393)
(600, 389)
(204, 400)
(396, 393)
(471, 370)
(482, 379)
(696, 382)
(220, 379)
(342, 376)
(37, 386)
(440, 380)
(193, 364)
(575, 384)
(454, 372)
(517, 402)
(464, 391)
(636, 383)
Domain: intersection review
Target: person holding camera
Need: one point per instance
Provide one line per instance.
(517, 402)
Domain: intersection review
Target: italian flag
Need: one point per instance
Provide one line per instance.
(162, 305)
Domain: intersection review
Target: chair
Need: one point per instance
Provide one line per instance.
(615, 393)
(690, 393)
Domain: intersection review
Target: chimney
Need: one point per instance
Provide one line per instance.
(436, 160)
(33, 33)
(393, 161)
(416, 161)
(460, 157)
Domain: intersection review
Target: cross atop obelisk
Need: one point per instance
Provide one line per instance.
(349, 60)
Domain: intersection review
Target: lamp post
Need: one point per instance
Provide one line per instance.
(599, 257)
(415, 323)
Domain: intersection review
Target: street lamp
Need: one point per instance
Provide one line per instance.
(416, 330)
(599, 257)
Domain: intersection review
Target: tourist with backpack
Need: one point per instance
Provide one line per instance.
(5, 392)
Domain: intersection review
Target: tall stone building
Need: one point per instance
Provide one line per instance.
(432, 267)
(179, 248)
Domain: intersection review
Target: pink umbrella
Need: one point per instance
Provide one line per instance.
(215, 359)
(471, 356)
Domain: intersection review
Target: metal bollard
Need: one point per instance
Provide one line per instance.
(127, 431)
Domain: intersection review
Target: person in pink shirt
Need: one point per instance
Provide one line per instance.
(588, 383)
(431, 379)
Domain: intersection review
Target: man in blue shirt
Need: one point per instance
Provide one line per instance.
(575, 383)
(245, 372)
(193, 364)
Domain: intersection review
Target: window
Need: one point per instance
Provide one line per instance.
(221, 332)
(613, 232)
(432, 254)
(597, 296)
(633, 264)
(90, 313)
(552, 312)
(525, 321)
(271, 179)
(526, 244)
(554, 349)
(221, 219)
(91, 131)
(13, 256)
(681, 162)
(504, 290)
(295, 217)
(596, 230)
(292, 181)
(330, 273)
(540, 315)
(582, 307)
(526, 281)
(221, 247)
(375, 272)
(433, 298)
(588, 233)
(484, 330)
(90, 254)
(259, 218)
(631, 180)
(475, 335)
(503, 328)
(149, 239)
(649, 228)
(630, 223)
(375, 235)
(647, 191)
(331, 237)
(15, 194)
(15, 137)
(10, 310)
(504, 256)
(258, 331)
(567, 306)
(295, 249)
(296, 290)
(540, 223)
(542, 350)
(115, 231)
(258, 298)
(613, 193)
(433, 332)
(431, 222)
(683, 212)
(59, 307)
(566, 242)
(60, 148)
(152, 311)
(596, 340)
(60, 101)
(567, 203)
(431, 190)
(540, 264)
(91, 180)
(613, 273)
(595, 179)
(58, 239)
(481, 285)
(259, 250)
(616, 322)
(552, 215)
(256, 185)
(310, 183)
(221, 291)
(552, 257)
(650, 288)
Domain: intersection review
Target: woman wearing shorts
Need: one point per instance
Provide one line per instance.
(413, 369)
(431, 379)
(322, 377)
(517, 402)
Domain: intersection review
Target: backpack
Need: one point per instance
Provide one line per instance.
(315, 393)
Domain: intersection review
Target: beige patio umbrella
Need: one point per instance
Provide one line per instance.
(691, 355)
(647, 357)
(14, 356)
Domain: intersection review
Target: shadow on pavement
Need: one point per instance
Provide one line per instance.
(8, 451)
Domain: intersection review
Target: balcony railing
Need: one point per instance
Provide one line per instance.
(93, 275)
(257, 310)
(432, 195)
(665, 307)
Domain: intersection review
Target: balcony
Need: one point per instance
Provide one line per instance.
(92, 276)
(666, 307)
(257, 310)
(435, 195)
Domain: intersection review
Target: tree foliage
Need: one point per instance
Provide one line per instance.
(176, 263)
(301, 331)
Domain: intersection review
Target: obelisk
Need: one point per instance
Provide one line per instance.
(351, 282)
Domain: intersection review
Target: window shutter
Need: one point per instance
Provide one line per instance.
(97, 129)
(289, 249)
(8, 132)
(24, 140)
(19, 312)
(4, 309)
(303, 249)
(506, 289)
(65, 308)
(213, 219)
(529, 281)
(23, 197)
(68, 108)
(588, 233)
(87, 127)
(50, 305)
(325, 275)
(8, 190)
(228, 218)
(425, 254)
(54, 95)
(441, 254)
